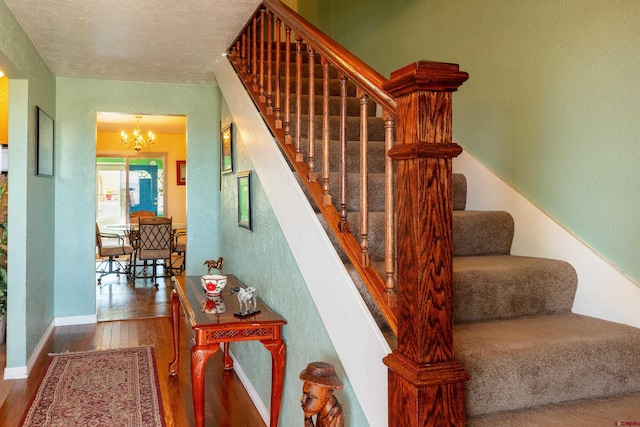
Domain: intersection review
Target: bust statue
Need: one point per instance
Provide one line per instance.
(320, 380)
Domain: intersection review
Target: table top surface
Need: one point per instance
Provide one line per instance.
(195, 301)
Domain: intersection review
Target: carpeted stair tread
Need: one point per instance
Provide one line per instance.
(504, 286)
(539, 360)
(482, 233)
(610, 411)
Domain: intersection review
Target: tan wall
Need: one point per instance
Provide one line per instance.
(173, 147)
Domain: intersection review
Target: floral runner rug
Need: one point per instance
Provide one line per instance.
(106, 388)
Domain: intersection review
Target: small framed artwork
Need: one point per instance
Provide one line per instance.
(226, 149)
(44, 143)
(244, 200)
(181, 172)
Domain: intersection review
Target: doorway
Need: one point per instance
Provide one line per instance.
(130, 180)
(125, 185)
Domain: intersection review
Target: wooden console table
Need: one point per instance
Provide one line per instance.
(212, 329)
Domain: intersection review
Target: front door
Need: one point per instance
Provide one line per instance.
(143, 188)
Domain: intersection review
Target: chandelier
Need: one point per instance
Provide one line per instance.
(138, 141)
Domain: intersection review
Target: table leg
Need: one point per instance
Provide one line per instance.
(175, 325)
(278, 353)
(228, 361)
(199, 356)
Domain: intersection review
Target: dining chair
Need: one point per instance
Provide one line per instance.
(179, 249)
(155, 243)
(111, 246)
(133, 234)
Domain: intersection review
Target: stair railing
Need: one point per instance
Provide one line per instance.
(426, 384)
(257, 56)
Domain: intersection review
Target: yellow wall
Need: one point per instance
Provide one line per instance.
(4, 110)
(174, 147)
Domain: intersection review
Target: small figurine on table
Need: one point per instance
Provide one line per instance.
(214, 264)
(320, 380)
(246, 296)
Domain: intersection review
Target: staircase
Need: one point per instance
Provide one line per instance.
(531, 361)
(514, 330)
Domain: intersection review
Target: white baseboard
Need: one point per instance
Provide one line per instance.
(248, 386)
(22, 372)
(76, 320)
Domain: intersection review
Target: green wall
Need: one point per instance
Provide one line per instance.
(78, 101)
(262, 258)
(31, 199)
(552, 104)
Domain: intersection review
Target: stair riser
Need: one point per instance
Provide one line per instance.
(318, 89)
(500, 287)
(352, 105)
(482, 233)
(375, 128)
(375, 158)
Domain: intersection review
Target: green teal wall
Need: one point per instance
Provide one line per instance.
(31, 199)
(78, 101)
(552, 105)
(262, 258)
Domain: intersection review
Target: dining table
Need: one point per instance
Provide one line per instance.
(130, 231)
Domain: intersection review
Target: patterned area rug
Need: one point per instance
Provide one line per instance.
(110, 388)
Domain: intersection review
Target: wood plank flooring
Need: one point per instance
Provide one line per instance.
(132, 316)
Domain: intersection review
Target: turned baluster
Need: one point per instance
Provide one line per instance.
(269, 62)
(299, 157)
(326, 196)
(311, 162)
(254, 54)
(389, 209)
(344, 223)
(247, 75)
(365, 257)
(234, 52)
(277, 115)
(261, 96)
(287, 87)
(243, 55)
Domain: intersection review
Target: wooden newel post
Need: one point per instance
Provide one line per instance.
(426, 384)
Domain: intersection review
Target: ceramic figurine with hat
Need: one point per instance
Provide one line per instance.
(320, 380)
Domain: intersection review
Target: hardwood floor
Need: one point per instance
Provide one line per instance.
(132, 316)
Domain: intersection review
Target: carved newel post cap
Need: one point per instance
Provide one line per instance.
(425, 75)
(323, 374)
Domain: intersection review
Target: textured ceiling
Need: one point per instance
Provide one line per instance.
(159, 41)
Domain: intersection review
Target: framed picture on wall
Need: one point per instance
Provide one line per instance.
(181, 172)
(244, 200)
(226, 149)
(44, 143)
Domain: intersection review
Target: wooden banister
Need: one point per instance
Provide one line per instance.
(414, 292)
